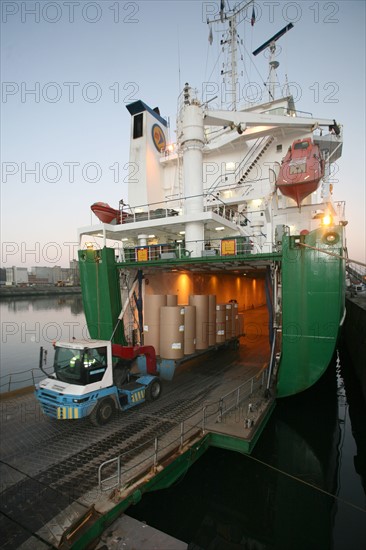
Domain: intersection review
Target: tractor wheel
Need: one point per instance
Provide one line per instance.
(153, 390)
(102, 412)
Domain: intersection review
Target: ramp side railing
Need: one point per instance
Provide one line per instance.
(21, 379)
(357, 271)
(145, 458)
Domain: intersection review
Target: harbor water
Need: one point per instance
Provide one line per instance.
(28, 323)
(303, 487)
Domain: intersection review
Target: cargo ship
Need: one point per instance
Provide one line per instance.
(222, 273)
(239, 208)
(229, 234)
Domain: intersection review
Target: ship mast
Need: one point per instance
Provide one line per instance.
(230, 16)
(273, 64)
(233, 33)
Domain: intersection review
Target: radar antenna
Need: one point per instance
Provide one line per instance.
(273, 64)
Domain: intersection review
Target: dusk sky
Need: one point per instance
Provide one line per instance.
(69, 69)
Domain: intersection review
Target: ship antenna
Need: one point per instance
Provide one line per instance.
(273, 64)
(178, 59)
(231, 17)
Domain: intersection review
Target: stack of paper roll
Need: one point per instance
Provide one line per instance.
(201, 303)
(189, 329)
(220, 323)
(229, 322)
(152, 305)
(171, 299)
(171, 332)
(211, 319)
(234, 319)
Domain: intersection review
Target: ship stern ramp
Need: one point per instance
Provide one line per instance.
(313, 295)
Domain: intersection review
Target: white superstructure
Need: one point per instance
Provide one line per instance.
(218, 180)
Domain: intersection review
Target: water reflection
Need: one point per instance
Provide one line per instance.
(357, 415)
(28, 323)
(290, 494)
(15, 305)
(74, 303)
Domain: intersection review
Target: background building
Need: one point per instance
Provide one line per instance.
(41, 275)
(16, 276)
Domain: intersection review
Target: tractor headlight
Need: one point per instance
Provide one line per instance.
(81, 400)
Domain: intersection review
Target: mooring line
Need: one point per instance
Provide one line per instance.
(307, 483)
(348, 260)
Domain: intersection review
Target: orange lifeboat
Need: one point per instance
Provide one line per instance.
(301, 170)
(106, 213)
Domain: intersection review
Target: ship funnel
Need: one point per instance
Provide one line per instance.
(149, 135)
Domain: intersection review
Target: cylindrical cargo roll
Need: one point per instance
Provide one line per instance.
(220, 323)
(211, 319)
(189, 329)
(171, 332)
(234, 318)
(201, 303)
(229, 322)
(152, 305)
(172, 300)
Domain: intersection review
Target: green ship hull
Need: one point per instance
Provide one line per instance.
(313, 305)
(312, 299)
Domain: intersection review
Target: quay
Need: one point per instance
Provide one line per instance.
(39, 290)
(65, 482)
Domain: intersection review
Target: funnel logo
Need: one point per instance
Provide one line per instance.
(158, 137)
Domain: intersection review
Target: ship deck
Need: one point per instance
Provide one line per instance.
(49, 469)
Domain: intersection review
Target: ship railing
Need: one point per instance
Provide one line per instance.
(175, 207)
(238, 246)
(340, 208)
(213, 203)
(182, 249)
(152, 211)
(146, 459)
(21, 379)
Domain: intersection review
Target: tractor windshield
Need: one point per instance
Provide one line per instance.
(77, 366)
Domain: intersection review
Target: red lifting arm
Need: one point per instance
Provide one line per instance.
(131, 352)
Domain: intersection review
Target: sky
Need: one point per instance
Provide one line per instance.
(69, 68)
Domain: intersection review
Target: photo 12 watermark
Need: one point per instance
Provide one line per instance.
(274, 11)
(40, 333)
(68, 172)
(49, 253)
(68, 92)
(251, 93)
(91, 13)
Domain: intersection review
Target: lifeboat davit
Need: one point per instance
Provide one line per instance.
(301, 170)
(106, 213)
